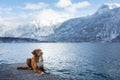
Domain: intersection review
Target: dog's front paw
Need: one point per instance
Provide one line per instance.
(47, 72)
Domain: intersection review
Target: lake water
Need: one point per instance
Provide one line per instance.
(72, 61)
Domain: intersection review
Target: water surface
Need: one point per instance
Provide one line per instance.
(72, 61)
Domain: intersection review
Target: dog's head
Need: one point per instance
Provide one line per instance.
(37, 52)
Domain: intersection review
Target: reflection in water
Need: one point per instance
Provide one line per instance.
(72, 61)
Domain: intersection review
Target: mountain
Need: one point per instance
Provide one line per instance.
(103, 25)
(30, 31)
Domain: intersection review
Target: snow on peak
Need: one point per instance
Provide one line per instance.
(107, 6)
(110, 6)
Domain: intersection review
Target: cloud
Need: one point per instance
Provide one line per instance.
(43, 15)
(4, 22)
(0, 18)
(5, 10)
(75, 6)
(36, 6)
(9, 22)
(48, 17)
(71, 7)
(16, 20)
(63, 3)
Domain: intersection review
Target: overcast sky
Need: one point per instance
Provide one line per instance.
(46, 12)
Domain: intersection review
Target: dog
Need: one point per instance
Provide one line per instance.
(35, 63)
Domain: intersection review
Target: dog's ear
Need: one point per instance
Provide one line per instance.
(34, 52)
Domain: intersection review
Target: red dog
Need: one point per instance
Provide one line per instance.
(35, 63)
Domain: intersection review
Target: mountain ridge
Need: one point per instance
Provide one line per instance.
(97, 27)
(103, 25)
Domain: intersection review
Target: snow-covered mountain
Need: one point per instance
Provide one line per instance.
(103, 25)
(30, 31)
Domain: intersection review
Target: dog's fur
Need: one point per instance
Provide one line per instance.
(32, 62)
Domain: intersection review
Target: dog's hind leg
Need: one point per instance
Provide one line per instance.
(28, 62)
(28, 67)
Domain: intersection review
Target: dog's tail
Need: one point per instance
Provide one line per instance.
(23, 68)
(28, 67)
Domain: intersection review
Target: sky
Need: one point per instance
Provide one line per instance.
(46, 12)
